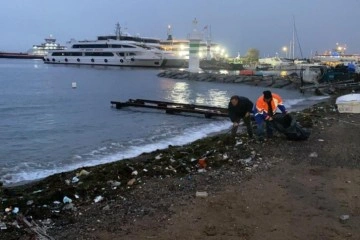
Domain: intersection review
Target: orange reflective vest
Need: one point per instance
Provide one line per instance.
(262, 107)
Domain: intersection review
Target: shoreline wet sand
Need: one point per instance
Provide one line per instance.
(278, 189)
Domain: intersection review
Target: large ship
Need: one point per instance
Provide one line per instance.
(37, 51)
(110, 50)
(337, 56)
(105, 52)
(43, 48)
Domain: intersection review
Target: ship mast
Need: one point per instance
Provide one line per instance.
(118, 31)
(293, 42)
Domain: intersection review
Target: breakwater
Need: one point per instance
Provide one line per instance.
(285, 82)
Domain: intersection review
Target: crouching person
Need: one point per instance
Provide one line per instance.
(240, 108)
(266, 106)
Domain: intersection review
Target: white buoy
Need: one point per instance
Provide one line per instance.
(73, 84)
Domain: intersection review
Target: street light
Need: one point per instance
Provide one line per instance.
(285, 50)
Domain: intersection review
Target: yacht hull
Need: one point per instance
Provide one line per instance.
(134, 62)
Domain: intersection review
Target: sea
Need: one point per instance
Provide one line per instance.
(47, 126)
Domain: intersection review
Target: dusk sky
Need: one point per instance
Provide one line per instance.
(237, 24)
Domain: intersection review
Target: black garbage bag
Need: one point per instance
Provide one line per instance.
(286, 124)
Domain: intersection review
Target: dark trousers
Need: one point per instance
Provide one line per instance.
(260, 121)
(247, 122)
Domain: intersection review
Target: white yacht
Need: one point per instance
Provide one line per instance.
(170, 58)
(277, 62)
(105, 52)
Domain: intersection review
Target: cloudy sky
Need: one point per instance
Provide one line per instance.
(237, 24)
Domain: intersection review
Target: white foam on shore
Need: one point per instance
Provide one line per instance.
(189, 135)
(290, 103)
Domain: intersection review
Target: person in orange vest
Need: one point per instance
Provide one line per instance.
(265, 108)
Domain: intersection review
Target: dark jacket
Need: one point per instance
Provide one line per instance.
(238, 112)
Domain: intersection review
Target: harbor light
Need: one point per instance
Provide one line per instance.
(182, 47)
(285, 49)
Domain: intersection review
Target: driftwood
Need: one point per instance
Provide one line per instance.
(40, 232)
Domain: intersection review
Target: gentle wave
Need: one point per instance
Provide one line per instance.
(27, 172)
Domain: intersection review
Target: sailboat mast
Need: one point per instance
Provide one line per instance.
(293, 42)
(297, 39)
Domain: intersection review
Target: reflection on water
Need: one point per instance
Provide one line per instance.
(200, 99)
(218, 97)
(180, 93)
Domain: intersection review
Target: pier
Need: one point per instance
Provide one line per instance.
(174, 108)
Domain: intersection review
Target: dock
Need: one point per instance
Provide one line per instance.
(174, 108)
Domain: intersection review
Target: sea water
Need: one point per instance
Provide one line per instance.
(48, 126)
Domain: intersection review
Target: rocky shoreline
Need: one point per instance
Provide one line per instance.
(286, 82)
(170, 194)
(289, 82)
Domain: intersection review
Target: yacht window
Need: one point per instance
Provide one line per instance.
(132, 54)
(108, 54)
(151, 41)
(57, 54)
(67, 54)
(90, 46)
(127, 46)
(121, 54)
(99, 54)
(143, 46)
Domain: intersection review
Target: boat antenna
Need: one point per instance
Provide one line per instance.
(297, 39)
(118, 31)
